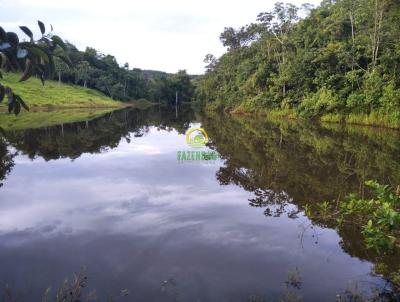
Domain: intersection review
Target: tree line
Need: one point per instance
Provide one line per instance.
(49, 57)
(341, 57)
(95, 70)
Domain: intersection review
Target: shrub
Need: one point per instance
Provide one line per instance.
(390, 100)
(323, 101)
(357, 102)
(373, 86)
(378, 218)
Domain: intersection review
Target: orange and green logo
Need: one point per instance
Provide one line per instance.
(196, 137)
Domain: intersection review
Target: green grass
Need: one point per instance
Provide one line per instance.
(375, 119)
(270, 113)
(52, 104)
(55, 96)
(254, 106)
(39, 119)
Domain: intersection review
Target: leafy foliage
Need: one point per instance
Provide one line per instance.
(94, 133)
(33, 58)
(6, 160)
(291, 165)
(379, 217)
(340, 58)
(96, 70)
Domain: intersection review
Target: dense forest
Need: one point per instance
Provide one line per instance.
(339, 59)
(95, 70)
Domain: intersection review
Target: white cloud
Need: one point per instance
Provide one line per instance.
(153, 34)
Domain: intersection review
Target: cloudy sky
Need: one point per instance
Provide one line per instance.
(165, 35)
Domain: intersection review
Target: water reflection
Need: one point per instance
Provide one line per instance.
(287, 163)
(95, 136)
(138, 220)
(310, 163)
(6, 160)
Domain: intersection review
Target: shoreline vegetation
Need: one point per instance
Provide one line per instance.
(338, 62)
(375, 120)
(339, 159)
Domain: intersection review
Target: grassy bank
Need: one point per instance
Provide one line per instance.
(375, 119)
(52, 104)
(55, 96)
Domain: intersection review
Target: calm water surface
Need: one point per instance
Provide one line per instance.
(111, 197)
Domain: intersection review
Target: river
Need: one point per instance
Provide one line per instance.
(111, 199)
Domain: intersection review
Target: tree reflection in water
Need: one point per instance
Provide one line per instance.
(94, 136)
(287, 164)
(6, 159)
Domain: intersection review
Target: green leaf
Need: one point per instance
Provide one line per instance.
(27, 31)
(42, 79)
(38, 52)
(17, 108)
(42, 27)
(11, 103)
(21, 101)
(50, 68)
(50, 44)
(57, 40)
(65, 59)
(12, 60)
(27, 72)
(2, 92)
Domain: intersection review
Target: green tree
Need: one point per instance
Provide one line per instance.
(83, 72)
(35, 57)
(342, 57)
(60, 68)
(183, 86)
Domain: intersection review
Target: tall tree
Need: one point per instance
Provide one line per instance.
(280, 23)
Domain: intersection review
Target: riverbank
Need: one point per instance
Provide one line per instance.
(374, 119)
(54, 95)
(40, 117)
(56, 103)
